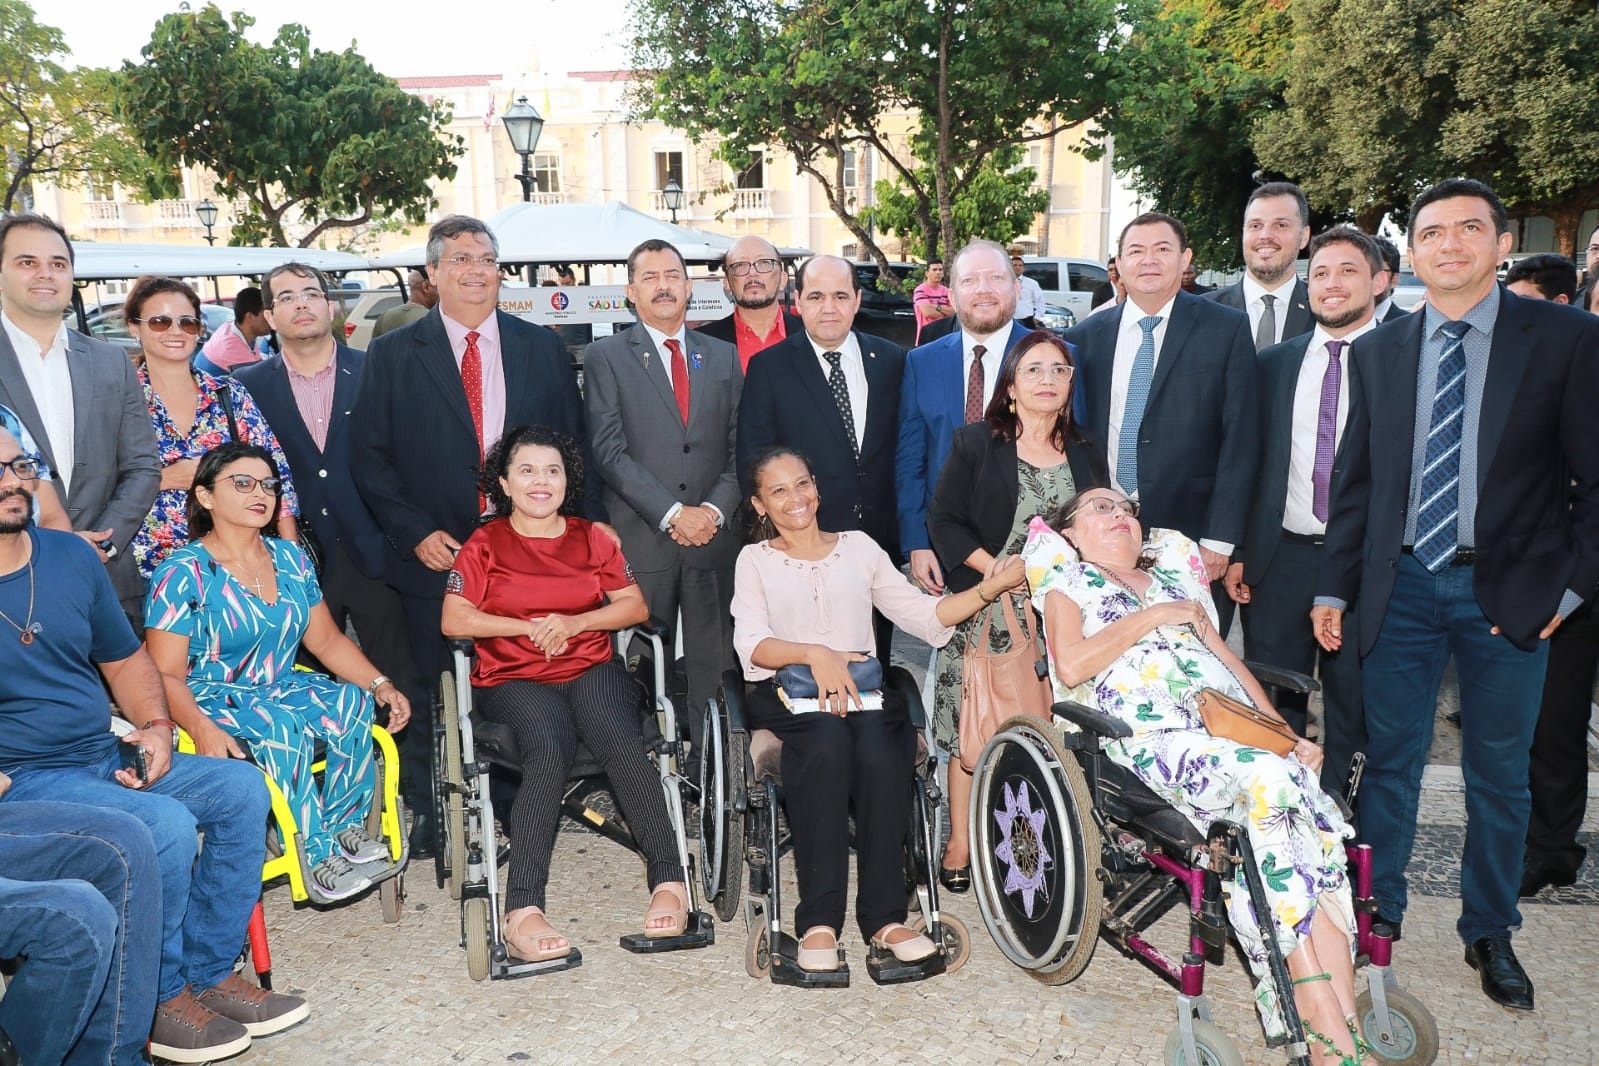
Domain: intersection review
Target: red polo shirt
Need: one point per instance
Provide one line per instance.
(749, 342)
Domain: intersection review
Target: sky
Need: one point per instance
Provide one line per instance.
(401, 38)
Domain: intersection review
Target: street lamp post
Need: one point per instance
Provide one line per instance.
(672, 196)
(523, 124)
(206, 212)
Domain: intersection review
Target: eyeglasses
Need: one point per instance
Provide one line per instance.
(1039, 371)
(248, 482)
(309, 297)
(26, 467)
(1104, 505)
(760, 266)
(161, 323)
(461, 262)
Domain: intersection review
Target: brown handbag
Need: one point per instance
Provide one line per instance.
(1234, 720)
(999, 686)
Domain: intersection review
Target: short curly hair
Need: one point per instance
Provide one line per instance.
(498, 465)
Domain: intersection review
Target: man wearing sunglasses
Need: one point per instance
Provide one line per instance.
(77, 397)
(752, 275)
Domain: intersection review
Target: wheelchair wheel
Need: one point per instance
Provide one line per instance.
(758, 954)
(721, 823)
(475, 930)
(1036, 851)
(1215, 1047)
(389, 898)
(957, 938)
(451, 789)
(1414, 1031)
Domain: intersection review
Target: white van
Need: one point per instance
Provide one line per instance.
(1068, 283)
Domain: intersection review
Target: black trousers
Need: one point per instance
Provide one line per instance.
(1277, 632)
(601, 708)
(705, 598)
(429, 657)
(1559, 768)
(863, 762)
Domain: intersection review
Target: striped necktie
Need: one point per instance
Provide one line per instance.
(1438, 516)
(1138, 382)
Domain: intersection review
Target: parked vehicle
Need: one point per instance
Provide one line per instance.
(1068, 283)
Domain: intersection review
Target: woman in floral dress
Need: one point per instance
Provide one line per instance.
(189, 410)
(1131, 629)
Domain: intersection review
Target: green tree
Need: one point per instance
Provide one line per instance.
(301, 136)
(820, 77)
(999, 203)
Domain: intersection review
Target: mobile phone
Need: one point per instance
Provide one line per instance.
(132, 756)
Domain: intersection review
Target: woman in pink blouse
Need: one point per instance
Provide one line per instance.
(802, 596)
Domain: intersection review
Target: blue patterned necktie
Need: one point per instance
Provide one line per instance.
(1138, 382)
(1438, 516)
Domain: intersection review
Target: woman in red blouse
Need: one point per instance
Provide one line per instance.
(540, 591)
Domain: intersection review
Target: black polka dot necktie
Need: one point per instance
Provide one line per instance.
(835, 379)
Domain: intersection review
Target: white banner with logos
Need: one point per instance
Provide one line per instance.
(569, 305)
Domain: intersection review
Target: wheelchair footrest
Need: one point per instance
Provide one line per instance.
(785, 971)
(885, 969)
(503, 966)
(699, 933)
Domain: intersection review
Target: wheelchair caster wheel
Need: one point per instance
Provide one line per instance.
(1215, 1048)
(390, 895)
(475, 931)
(1412, 1030)
(758, 955)
(957, 939)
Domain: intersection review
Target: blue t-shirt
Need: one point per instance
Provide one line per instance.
(53, 707)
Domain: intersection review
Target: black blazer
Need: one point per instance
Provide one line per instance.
(329, 503)
(941, 327)
(1279, 377)
(722, 328)
(1537, 520)
(1199, 445)
(1299, 318)
(413, 453)
(787, 401)
(1394, 311)
(974, 504)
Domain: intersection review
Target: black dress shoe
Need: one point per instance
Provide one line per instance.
(424, 842)
(1503, 979)
(1537, 875)
(958, 881)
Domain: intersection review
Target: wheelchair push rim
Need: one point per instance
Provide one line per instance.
(721, 827)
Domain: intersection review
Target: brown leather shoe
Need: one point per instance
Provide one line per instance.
(186, 1030)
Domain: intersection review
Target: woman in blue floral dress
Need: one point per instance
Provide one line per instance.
(226, 616)
(189, 410)
(1131, 629)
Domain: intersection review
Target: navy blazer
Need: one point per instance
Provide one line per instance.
(413, 452)
(932, 406)
(1279, 378)
(329, 502)
(1299, 321)
(1198, 445)
(788, 401)
(1537, 520)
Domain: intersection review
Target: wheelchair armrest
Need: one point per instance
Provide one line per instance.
(650, 627)
(463, 645)
(733, 700)
(1279, 678)
(903, 681)
(1096, 722)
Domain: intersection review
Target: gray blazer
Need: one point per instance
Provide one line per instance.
(648, 459)
(116, 469)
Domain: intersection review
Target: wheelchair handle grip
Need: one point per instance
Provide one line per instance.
(463, 645)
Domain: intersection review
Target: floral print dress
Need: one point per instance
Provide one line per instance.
(1295, 828)
(167, 525)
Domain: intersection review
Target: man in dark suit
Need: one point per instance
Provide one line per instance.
(791, 398)
(1168, 383)
(663, 420)
(434, 396)
(948, 384)
(1276, 229)
(79, 399)
(1386, 308)
(1304, 403)
(752, 274)
(1465, 523)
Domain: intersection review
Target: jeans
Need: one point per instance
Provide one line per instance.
(1431, 617)
(80, 897)
(205, 902)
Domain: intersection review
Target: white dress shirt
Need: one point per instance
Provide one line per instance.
(1030, 301)
(49, 379)
(1256, 306)
(854, 378)
(993, 354)
(1298, 512)
(659, 339)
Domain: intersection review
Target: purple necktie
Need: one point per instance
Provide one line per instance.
(1326, 432)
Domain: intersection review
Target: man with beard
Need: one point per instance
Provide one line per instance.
(1276, 228)
(948, 383)
(752, 274)
(1304, 402)
(662, 406)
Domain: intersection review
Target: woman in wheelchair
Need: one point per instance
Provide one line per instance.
(1133, 620)
(226, 615)
(804, 597)
(540, 591)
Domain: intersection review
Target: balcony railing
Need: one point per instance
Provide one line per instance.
(661, 208)
(103, 214)
(549, 197)
(752, 202)
(176, 214)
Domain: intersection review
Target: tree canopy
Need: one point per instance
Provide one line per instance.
(303, 137)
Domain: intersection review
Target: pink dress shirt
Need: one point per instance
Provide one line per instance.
(488, 348)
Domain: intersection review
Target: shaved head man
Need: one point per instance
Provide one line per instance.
(754, 279)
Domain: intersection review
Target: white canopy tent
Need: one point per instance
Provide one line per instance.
(109, 262)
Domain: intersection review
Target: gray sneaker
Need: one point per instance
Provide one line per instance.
(359, 847)
(186, 1030)
(334, 879)
(261, 1012)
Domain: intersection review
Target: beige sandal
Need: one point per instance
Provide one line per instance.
(678, 912)
(818, 960)
(525, 945)
(913, 948)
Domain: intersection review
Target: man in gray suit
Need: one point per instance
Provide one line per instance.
(662, 406)
(78, 398)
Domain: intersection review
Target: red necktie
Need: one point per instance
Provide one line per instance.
(679, 377)
(472, 381)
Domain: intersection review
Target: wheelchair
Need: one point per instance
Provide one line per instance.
(469, 749)
(740, 799)
(1068, 846)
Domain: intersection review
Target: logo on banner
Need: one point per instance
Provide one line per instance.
(559, 301)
